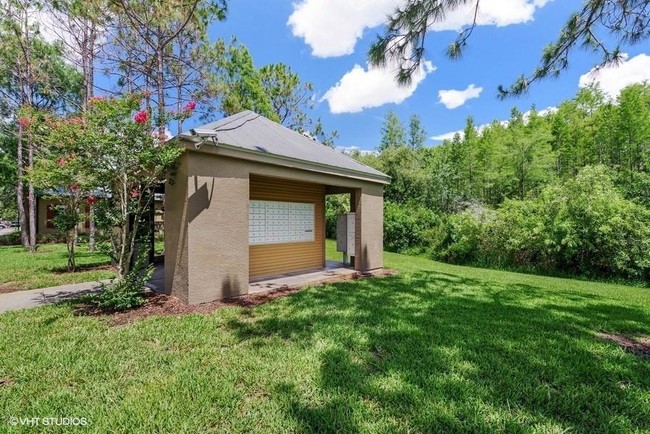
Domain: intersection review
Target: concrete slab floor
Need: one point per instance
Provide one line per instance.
(333, 272)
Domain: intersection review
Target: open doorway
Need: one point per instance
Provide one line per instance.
(338, 202)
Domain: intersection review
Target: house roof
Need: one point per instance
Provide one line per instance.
(253, 133)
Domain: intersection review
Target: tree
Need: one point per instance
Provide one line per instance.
(417, 136)
(61, 172)
(148, 38)
(32, 75)
(274, 91)
(112, 151)
(624, 22)
(393, 134)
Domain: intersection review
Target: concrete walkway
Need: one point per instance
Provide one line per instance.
(40, 297)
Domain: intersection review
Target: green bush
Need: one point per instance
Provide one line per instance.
(335, 204)
(11, 239)
(127, 293)
(409, 228)
(583, 226)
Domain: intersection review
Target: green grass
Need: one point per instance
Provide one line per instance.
(438, 348)
(22, 270)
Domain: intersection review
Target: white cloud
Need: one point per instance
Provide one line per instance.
(446, 136)
(613, 78)
(361, 88)
(498, 13)
(450, 135)
(452, 98)
(332, 27)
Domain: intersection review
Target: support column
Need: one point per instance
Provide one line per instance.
(218, 197)
(368, 204)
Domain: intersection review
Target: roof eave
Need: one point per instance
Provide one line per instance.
(275, 158)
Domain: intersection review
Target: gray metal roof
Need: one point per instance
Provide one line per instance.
(253, 132)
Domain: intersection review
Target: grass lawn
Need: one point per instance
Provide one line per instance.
(438, 348)
(22, 270)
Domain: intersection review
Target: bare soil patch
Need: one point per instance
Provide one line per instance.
(6, 288)
(83, 268)
(6, 381)
(639, 345)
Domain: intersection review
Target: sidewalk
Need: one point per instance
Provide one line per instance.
(40, 297)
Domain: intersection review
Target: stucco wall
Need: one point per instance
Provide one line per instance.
(41, 214)
(206, 222)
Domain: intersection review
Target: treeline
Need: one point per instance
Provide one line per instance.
(567, 191)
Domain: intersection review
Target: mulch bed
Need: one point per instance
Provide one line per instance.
(162, 304)
(639, 346)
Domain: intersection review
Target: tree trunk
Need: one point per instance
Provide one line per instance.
(20, 192)
(31, 197)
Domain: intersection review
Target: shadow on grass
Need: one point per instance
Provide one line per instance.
(443, 353)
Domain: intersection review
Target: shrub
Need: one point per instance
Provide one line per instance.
(409, 228)
(335, 204)
(582, 226)
(126, 293)
(11, 239)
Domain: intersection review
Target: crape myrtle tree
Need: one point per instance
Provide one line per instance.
(592, 27)
(60, 174)
(112, 147)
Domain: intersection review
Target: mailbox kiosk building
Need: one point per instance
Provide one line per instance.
(247, 202)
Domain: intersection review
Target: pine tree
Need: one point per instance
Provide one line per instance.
(417, 136)
(393, 134)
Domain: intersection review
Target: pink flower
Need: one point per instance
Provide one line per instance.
(135, 193)
(190, 106)
(74, 187)
(91, 200)
(61, 161)
(141, 117)
(24, 122)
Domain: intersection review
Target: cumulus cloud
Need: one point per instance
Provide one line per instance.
(332, 27)
(362, 88)
(452, 98)
(613, 78)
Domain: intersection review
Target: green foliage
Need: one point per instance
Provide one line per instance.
(417, 136)
(597, 25)
(524, 194)
(108, 150)
(335, 204)
(408, 228)
(126, 293)
(583, 226)
(393, 134)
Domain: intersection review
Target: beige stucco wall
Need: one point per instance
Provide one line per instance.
(369, 241)
(206, 222)
(41, 223)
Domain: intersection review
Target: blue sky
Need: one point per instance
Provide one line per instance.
(316, 38)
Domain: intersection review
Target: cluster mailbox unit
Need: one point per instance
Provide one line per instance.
(345, 234)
